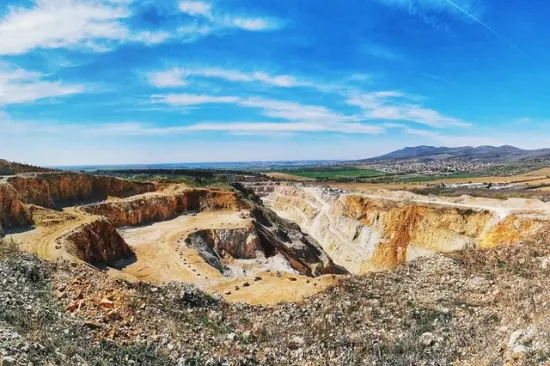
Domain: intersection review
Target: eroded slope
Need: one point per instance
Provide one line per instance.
(217, 239)
(364, 232)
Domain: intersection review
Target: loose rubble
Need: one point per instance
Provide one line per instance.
(474, 307)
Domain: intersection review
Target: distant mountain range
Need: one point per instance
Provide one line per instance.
(504, 153)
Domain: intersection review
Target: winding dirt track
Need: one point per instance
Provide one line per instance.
(51, 225)
(162, 255)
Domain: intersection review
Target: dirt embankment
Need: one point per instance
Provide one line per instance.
(159, 207)
(97, 242)
(13, 212)
(51, 189)
(364, 233)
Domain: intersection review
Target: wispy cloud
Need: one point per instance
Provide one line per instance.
(253, 24)
(101, 25)
(141, 129)
(87, 24)
(380, 51)
(292, 116)
(435, 78)
(180, 76)
(192, 99)
(280, 109)
(196, 8)
(168, 78)
(294, 111)
(216, 20)
(397, 106)
(20, 86)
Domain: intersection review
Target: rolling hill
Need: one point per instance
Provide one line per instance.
(482, 153)
(11, 168)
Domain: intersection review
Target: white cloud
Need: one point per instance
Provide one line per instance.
(252, 24)
(396, 106)
(251, 127)
(192, 99)
(140, 129)
(294, 111)
(235, 75)
(195, 8)
(62, 23)
(169, 78)
(192, 31)
(180, 76)
(216, 20)
(100, 25)
(280, 109)
(20, 86)
(150, 38)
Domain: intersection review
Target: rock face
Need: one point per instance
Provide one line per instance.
(264, 239)
(51, 189)
(158, 207)
(302, 251)
(97, 242)
(218, 247)
(364, 233)
(12, 211)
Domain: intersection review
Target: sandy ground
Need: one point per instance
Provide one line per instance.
(163, 256)
(50, 225)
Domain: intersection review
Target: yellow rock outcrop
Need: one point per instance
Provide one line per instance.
(364, 233)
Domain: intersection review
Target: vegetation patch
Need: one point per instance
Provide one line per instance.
(329, 174)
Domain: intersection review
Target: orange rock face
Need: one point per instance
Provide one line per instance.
(96, 242)
(50, 189)
(363, 232)
(153, 208)
(428, 227)
(12, 211)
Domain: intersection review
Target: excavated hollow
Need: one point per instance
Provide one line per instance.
(365, 232)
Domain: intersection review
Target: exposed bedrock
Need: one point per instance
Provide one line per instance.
(13, 212)
(302, 251)
(261, 241)
(159, 207)
(97, 242)
(363, 233)
(218, 247)
(51, 189)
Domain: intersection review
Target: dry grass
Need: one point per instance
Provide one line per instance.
(8, 247)
(289, 177)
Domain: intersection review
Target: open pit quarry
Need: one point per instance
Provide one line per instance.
(218, 240)
(168, 274)
(228, 242)
(379, 230)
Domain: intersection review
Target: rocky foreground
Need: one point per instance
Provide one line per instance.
(469, 308)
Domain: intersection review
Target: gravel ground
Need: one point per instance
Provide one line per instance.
(471, 308)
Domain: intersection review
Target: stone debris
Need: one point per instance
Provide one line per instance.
(457, 309)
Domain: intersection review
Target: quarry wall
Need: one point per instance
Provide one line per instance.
(363, 233)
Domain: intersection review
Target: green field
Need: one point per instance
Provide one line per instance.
(335, 174)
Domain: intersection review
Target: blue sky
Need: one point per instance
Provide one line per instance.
(143, 81)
